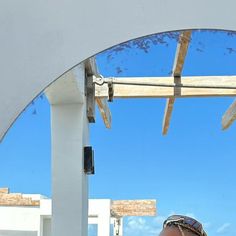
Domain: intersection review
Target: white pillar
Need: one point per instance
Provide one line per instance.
(104, 219)
(69, 128)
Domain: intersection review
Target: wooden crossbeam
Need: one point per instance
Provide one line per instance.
(137, 91)
(15, 199)
(103, 107)
(120, 208)
(167, 115)
(105, 112)
(4, 190)
(181, 52)
(229, 116)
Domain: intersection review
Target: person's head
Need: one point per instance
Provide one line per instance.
(178, 225)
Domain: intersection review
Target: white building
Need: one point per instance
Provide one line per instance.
(30, 214)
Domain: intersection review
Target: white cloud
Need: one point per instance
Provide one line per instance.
(206, 225)
(142, 225)
(159, 220)
(223, 228)
(137, 226)
(136, 223)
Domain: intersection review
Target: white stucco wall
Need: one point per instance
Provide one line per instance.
(19, 218)
(41, 40)
(36, 221)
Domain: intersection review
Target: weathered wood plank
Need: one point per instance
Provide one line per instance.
(121, 208)
(91, 69)
(229, 116)
(105, 111)
(167, 115)
(4, 190)
(180, 55)
(103, 107)
(135, 91)
(16, 199)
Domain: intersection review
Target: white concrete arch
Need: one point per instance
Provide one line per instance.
(41, 40)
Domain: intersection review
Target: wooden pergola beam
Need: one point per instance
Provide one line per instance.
(16, 199)
(137, 91)
(167, 115)
(104, 111)
(120, 208)
(4, 190)
(103, 107)
(181, 52)
(229, 116)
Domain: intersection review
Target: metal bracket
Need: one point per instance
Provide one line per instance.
(110, 91)
(177, 88)
(100, 81)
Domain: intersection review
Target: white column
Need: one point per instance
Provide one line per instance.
(69, 128)
(104, 218)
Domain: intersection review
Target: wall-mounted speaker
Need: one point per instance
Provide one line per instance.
(89, 160)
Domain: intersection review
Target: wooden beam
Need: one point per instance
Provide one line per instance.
(4, 190)
(137, 91)
(103, 107)
(229, 116)
(16, 199)
(120, 208)
(181, 52)
(105, 112)
(167, 115)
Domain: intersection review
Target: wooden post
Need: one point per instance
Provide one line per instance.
(177, 71)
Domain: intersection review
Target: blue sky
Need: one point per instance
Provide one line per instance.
(189, 171)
